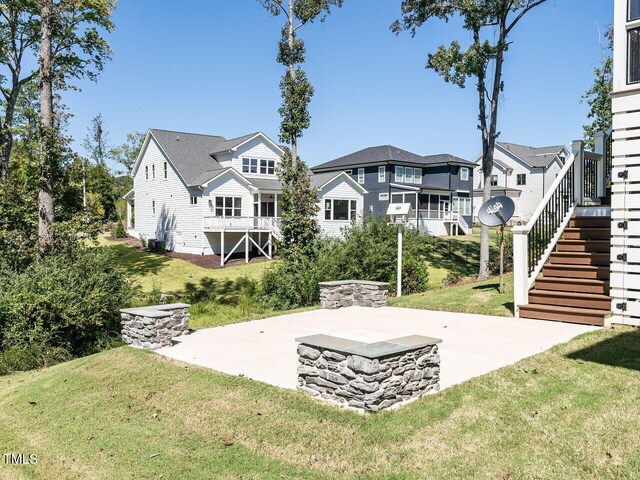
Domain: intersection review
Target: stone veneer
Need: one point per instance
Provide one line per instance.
(369, 377)
(154, 326)
(349, 293)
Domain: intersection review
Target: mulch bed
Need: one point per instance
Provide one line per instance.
(205, 261)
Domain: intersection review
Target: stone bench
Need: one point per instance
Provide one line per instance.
(154, 326)
(349, 293)
(368, 376)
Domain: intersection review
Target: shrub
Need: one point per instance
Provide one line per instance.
(68, 303)
(494, 257)
(453, 277)
(415, 277)
(119, 231)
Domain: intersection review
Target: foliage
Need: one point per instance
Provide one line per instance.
(126, 154)
(453, 277)
(482, 61)
(598, 96)
(18, 224)
(298, 225)
(119, 231)
(96, 143)
(58, 306)
(494, 258)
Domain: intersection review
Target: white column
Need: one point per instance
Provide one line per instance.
(246, 247)
(222, 248)
(270, 246)
(275, 205)
(577, 147)
(520, 268)
(129, 214)
(601, 148)
(399, 274)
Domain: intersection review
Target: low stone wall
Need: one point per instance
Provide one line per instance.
(155, 326)
(349, 293)
(370, 377)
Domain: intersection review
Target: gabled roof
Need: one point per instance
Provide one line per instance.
(190, 154)
(233, 143)
(319, 180)
(386, 154)
(534, 156)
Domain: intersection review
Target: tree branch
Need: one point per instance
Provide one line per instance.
(521, 14)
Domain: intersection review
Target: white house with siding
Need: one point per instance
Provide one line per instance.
(204, 194)
(522, 173)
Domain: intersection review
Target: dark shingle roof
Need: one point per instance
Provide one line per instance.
(190, 154)
(385, 154)
(319, 179)
(266, 183)
(534, 156)
(234, 142)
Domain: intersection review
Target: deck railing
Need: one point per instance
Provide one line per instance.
(215, 223)
(581, 180)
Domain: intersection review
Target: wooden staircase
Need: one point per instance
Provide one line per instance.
(574, 286)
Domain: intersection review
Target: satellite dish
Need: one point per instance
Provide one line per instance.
(496, 212)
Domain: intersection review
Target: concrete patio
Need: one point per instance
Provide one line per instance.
(472, 345)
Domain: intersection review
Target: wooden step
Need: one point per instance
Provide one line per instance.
(570, 299)
(590, 221)
(576, 271)
(582, 233)
(580, 258)
(564, 314)
(584, 246)
(577, 285)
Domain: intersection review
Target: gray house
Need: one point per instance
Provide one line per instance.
(438, 187)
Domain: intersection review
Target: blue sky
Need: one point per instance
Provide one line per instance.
(209, 67)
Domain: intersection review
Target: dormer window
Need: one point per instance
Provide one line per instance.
(261, 166)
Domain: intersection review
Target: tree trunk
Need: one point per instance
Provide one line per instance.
(6, 135)
(292, 74)
(45, 194)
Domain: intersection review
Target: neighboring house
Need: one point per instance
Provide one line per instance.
(521, 173)
(204, 194)
(438, 187)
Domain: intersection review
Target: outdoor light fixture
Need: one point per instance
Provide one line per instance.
(399, 214)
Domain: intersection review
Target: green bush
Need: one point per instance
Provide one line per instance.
(66, 303)
(119, 231)
(452, 278)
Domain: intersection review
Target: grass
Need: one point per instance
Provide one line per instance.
(569, 413)
(476, 297)
(173, 274)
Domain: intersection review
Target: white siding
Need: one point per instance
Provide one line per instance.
(338, 188)
(256, 148)
(176, 221)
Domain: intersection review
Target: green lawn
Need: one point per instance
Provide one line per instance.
(477, 297)
(570, 413)
(172, 274)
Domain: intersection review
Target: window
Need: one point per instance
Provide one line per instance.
(383, 197)
(521, 179)
(349, 172)
(634, 10)
(228, 206)
(261, 166)
(267, 167)
(408, 175)
(494, 180)
(361, 175)
(399, 175)
(153, 171)
(338, 209)
(249, 165)
(146, 172)
(417, 176)
(381, 174)
(153, 207)
(194, 200)
(462, 206)
(464, 174)
(633, 59)
(166, 170)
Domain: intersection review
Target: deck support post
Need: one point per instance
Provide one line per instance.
(246, 247)
(520, 268)
(270, 245)
(222, 248)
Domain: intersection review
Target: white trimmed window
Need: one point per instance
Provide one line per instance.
(464, 174)
(417, 176)
(399, 174)
(383, 197)
(361, 175)
(408, 174)
(521, 179)
(146, 172)
(349, 172)
(462, 205)
(261, 166)
(381, 173)
(340, 209)
(193, 200)
(228, 206)
(153, 207)
(494, 180)
(166, 170)
(153, 170)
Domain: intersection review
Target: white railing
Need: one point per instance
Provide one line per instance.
(447, 216)
(534, 242)
(214, 223)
